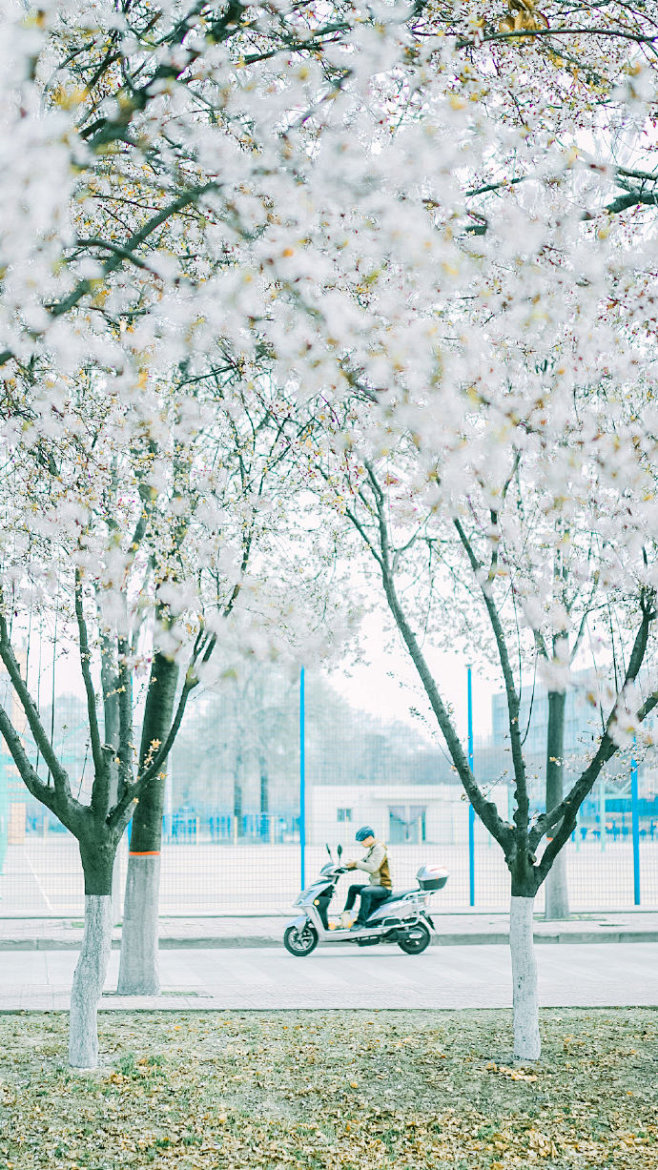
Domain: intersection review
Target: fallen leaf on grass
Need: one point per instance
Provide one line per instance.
(171, 1102)
(514, 1074)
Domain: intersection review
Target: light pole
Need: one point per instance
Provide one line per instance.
(471, 810)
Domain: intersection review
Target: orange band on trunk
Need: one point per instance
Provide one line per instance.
(148, 853)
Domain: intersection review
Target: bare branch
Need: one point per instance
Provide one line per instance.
(60, 776)
(27, 773)
(564, 814)
(516, 34)
(120, 813)
(583, 621)
(100, 763)
(125, 753)
(522, 813)
(485, 809)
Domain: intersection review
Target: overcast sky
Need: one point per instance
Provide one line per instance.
(386, 684)
(383, 682)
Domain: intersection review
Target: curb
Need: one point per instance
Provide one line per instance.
(492, 938)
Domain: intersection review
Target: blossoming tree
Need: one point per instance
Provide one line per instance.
(497, 460)
(438, 219)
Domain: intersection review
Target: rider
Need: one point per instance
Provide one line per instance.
(378, 889)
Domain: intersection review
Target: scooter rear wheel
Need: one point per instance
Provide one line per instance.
(300, 942)
(416, 940)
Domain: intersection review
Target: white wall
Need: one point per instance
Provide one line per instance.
(446, 816)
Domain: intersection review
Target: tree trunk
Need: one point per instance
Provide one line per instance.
(527, 1043)
(89, 980)
(109, 683)
(237, 797)
(91, 968)
(264, 788)
(557, 893)
(138, 965)
(557, 889)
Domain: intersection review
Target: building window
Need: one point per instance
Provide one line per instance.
(343, 814)
(406, 824)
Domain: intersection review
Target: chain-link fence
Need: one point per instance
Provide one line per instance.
(201, 875)
(234, 841)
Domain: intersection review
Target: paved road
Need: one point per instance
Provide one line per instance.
(584, 975)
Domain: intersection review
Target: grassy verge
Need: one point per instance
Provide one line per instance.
(329, 1090)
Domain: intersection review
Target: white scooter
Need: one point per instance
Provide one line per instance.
(403, 918)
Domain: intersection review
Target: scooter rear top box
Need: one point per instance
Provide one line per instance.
(431, 877)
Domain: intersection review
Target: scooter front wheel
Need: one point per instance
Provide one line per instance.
(416, 940)
(300, 942)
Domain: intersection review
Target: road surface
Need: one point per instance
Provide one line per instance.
(570, 975)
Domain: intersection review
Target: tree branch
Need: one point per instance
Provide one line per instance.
(34, 785)
(100, 763)
(125, 753)
(131, 793)
(485, 809)
(522, 813)
(120, 250)
(583, 621)
(119, 815)
(60, 776)
(564, 814)
(516, 34)
(503, 185)
(631, 199)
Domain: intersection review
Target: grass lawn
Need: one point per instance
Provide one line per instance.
(356, 1090)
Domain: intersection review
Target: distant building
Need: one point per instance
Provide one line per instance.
(582, 721)
(399, 813)
(583, 728)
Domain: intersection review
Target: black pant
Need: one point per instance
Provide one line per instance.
(370, 897)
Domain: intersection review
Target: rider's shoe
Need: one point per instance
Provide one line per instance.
(357, 926)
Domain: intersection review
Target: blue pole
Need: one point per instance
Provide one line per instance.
(302, 777)
(4, 807)
(471, 810)
(635, 819)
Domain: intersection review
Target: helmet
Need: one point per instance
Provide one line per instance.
(364, 832)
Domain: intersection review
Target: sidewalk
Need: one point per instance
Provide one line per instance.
(344, 977)
(51, 934)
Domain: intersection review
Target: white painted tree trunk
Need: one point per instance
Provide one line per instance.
(527, 1043)
(89, 980)
(139, 972)
(557, 889)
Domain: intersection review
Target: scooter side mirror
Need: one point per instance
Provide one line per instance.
(339, 851)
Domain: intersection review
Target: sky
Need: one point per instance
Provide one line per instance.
(386, 684)
(382, 682)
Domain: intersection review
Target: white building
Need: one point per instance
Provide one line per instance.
(399, 813)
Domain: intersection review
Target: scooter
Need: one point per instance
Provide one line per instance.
(403, 918)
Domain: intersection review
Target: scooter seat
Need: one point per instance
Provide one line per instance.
(397, 894)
